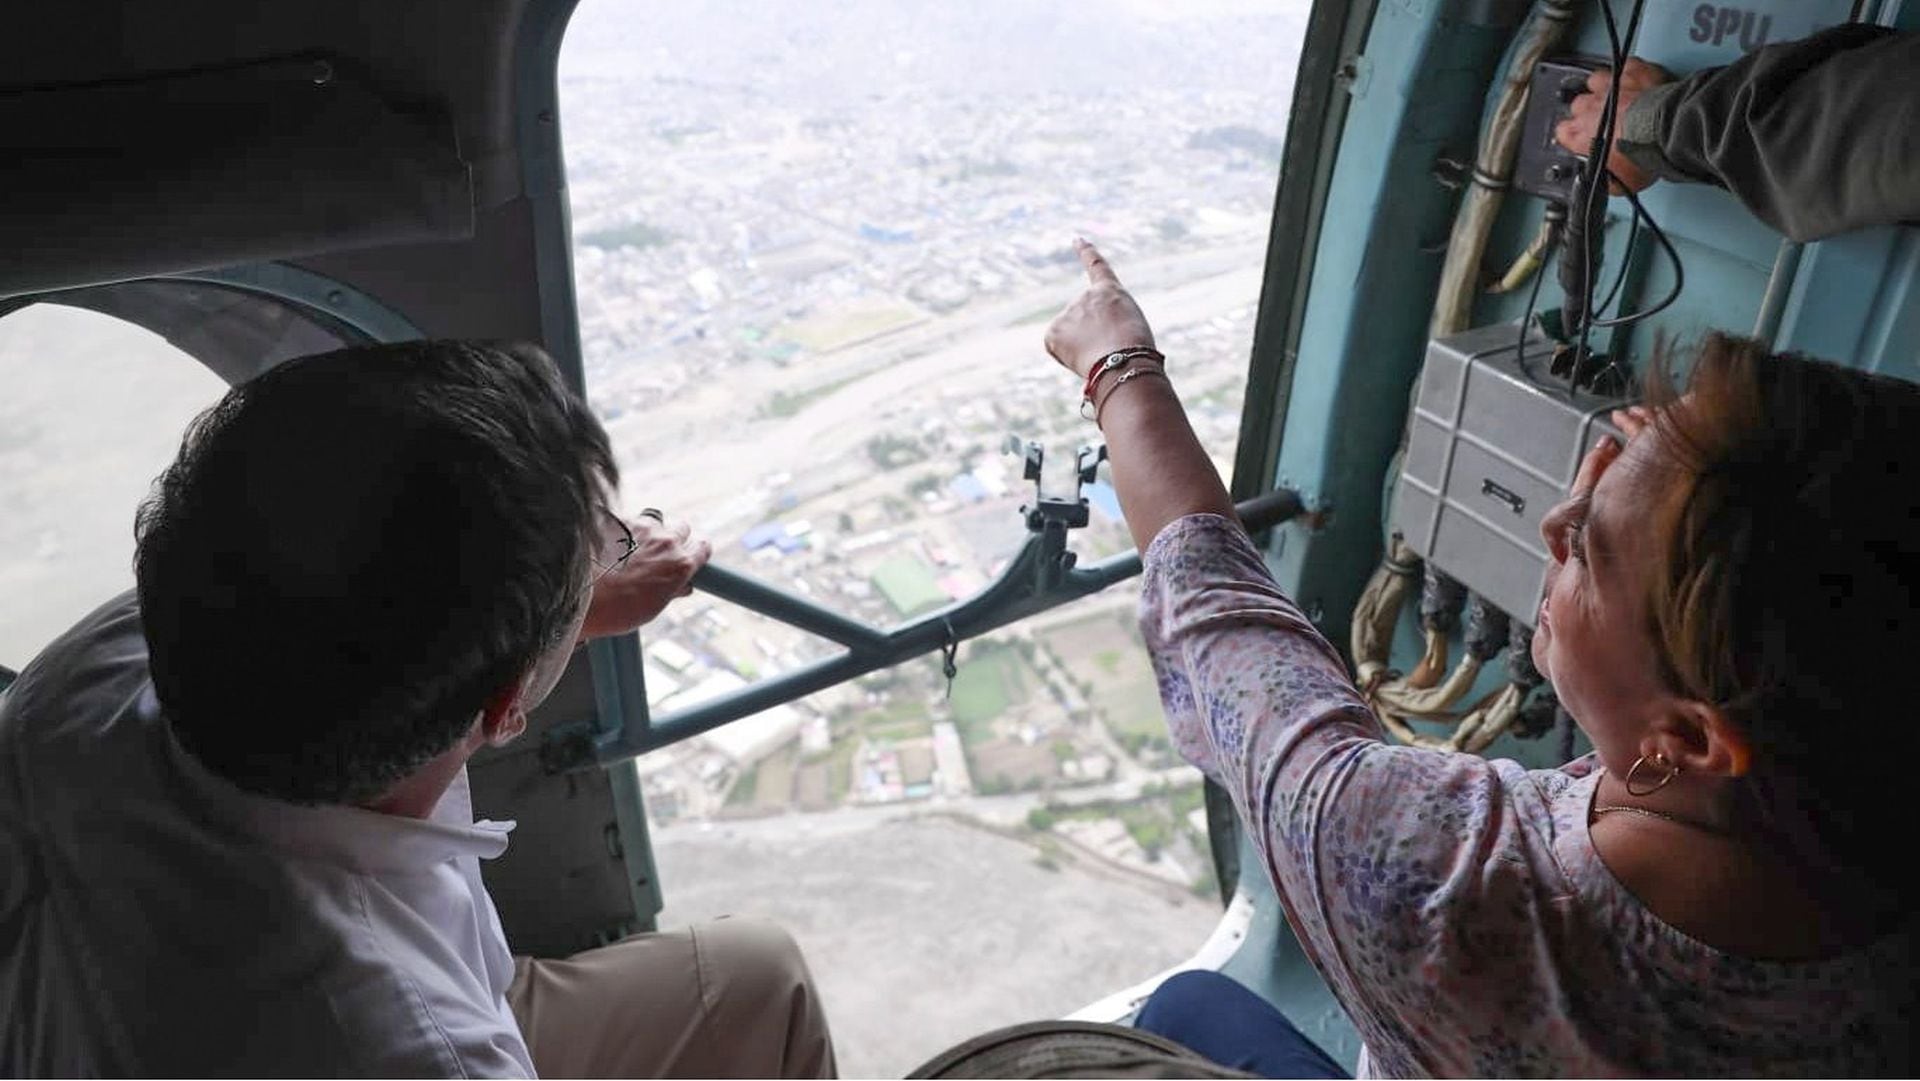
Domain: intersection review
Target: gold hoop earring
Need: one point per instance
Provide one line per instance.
(1659, 761)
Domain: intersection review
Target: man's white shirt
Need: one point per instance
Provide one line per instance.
(156, 919)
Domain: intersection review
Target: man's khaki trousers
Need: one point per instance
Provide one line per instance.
(731, 998)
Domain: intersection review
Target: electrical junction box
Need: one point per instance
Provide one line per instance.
(1542, 166)
(1490, 450)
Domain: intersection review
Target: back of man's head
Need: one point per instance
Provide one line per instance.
(355, 551)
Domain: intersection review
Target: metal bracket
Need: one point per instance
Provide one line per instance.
(1356, 74)
(1087, 461)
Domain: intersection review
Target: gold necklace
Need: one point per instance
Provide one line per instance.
(1644, 813)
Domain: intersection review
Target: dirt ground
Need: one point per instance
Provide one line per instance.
(923, 932)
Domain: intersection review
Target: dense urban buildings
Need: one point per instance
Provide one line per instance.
(815, 252)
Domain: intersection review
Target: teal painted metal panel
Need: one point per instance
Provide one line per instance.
(1418, 98)
(1857, 299)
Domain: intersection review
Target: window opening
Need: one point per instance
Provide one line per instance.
(94, 411)
(815, 251)
(101, 384)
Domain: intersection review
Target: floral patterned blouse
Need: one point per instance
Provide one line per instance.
(1456, 905)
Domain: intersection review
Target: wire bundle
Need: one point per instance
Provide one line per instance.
(1581, 220)
(1488, 631)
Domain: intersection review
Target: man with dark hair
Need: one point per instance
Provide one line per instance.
(235, 829)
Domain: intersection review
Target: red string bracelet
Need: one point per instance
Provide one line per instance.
(1116, 359)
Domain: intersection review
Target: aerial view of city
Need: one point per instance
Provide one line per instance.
(815, 252)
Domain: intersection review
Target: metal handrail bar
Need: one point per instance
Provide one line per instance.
(1040, 576)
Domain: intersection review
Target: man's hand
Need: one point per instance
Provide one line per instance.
(1582, 124)
(660, 569)
(1100, 321)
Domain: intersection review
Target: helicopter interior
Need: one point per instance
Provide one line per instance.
(255, 183)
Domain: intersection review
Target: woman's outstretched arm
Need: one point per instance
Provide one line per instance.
(1376, 851)
(1159, 470)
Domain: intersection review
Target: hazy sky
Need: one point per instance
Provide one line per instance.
(857, 48)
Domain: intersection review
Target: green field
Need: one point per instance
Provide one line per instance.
(899, 731)
(988, 682)
(1104, 656)
(822, 781)
(909, 585)
(785, 404)
(744, 789)
(769, 784)
(635, 235)
(905, 717)
(837, 330)
(1154, 820)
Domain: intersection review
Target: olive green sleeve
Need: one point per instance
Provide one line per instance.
(1816, 136)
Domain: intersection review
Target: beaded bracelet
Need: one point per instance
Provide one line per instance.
(1116, 359)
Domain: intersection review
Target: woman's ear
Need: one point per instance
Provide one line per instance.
(1701, 739)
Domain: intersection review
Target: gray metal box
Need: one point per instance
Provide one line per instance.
(1490, 451)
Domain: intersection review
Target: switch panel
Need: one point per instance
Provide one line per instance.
(1543, 167)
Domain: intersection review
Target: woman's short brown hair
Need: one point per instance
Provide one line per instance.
(1790, 548)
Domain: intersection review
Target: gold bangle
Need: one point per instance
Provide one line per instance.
(1100, 409)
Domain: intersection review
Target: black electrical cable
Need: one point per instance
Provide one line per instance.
(1626, 260)
(1535, 716)
(1486, 628)
(1441, 599)
(1533, 300)
(1595, 170)
(1578, 263)
(1673, 258)
(1602, 144)
(1581, 216)
(1619, 279)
